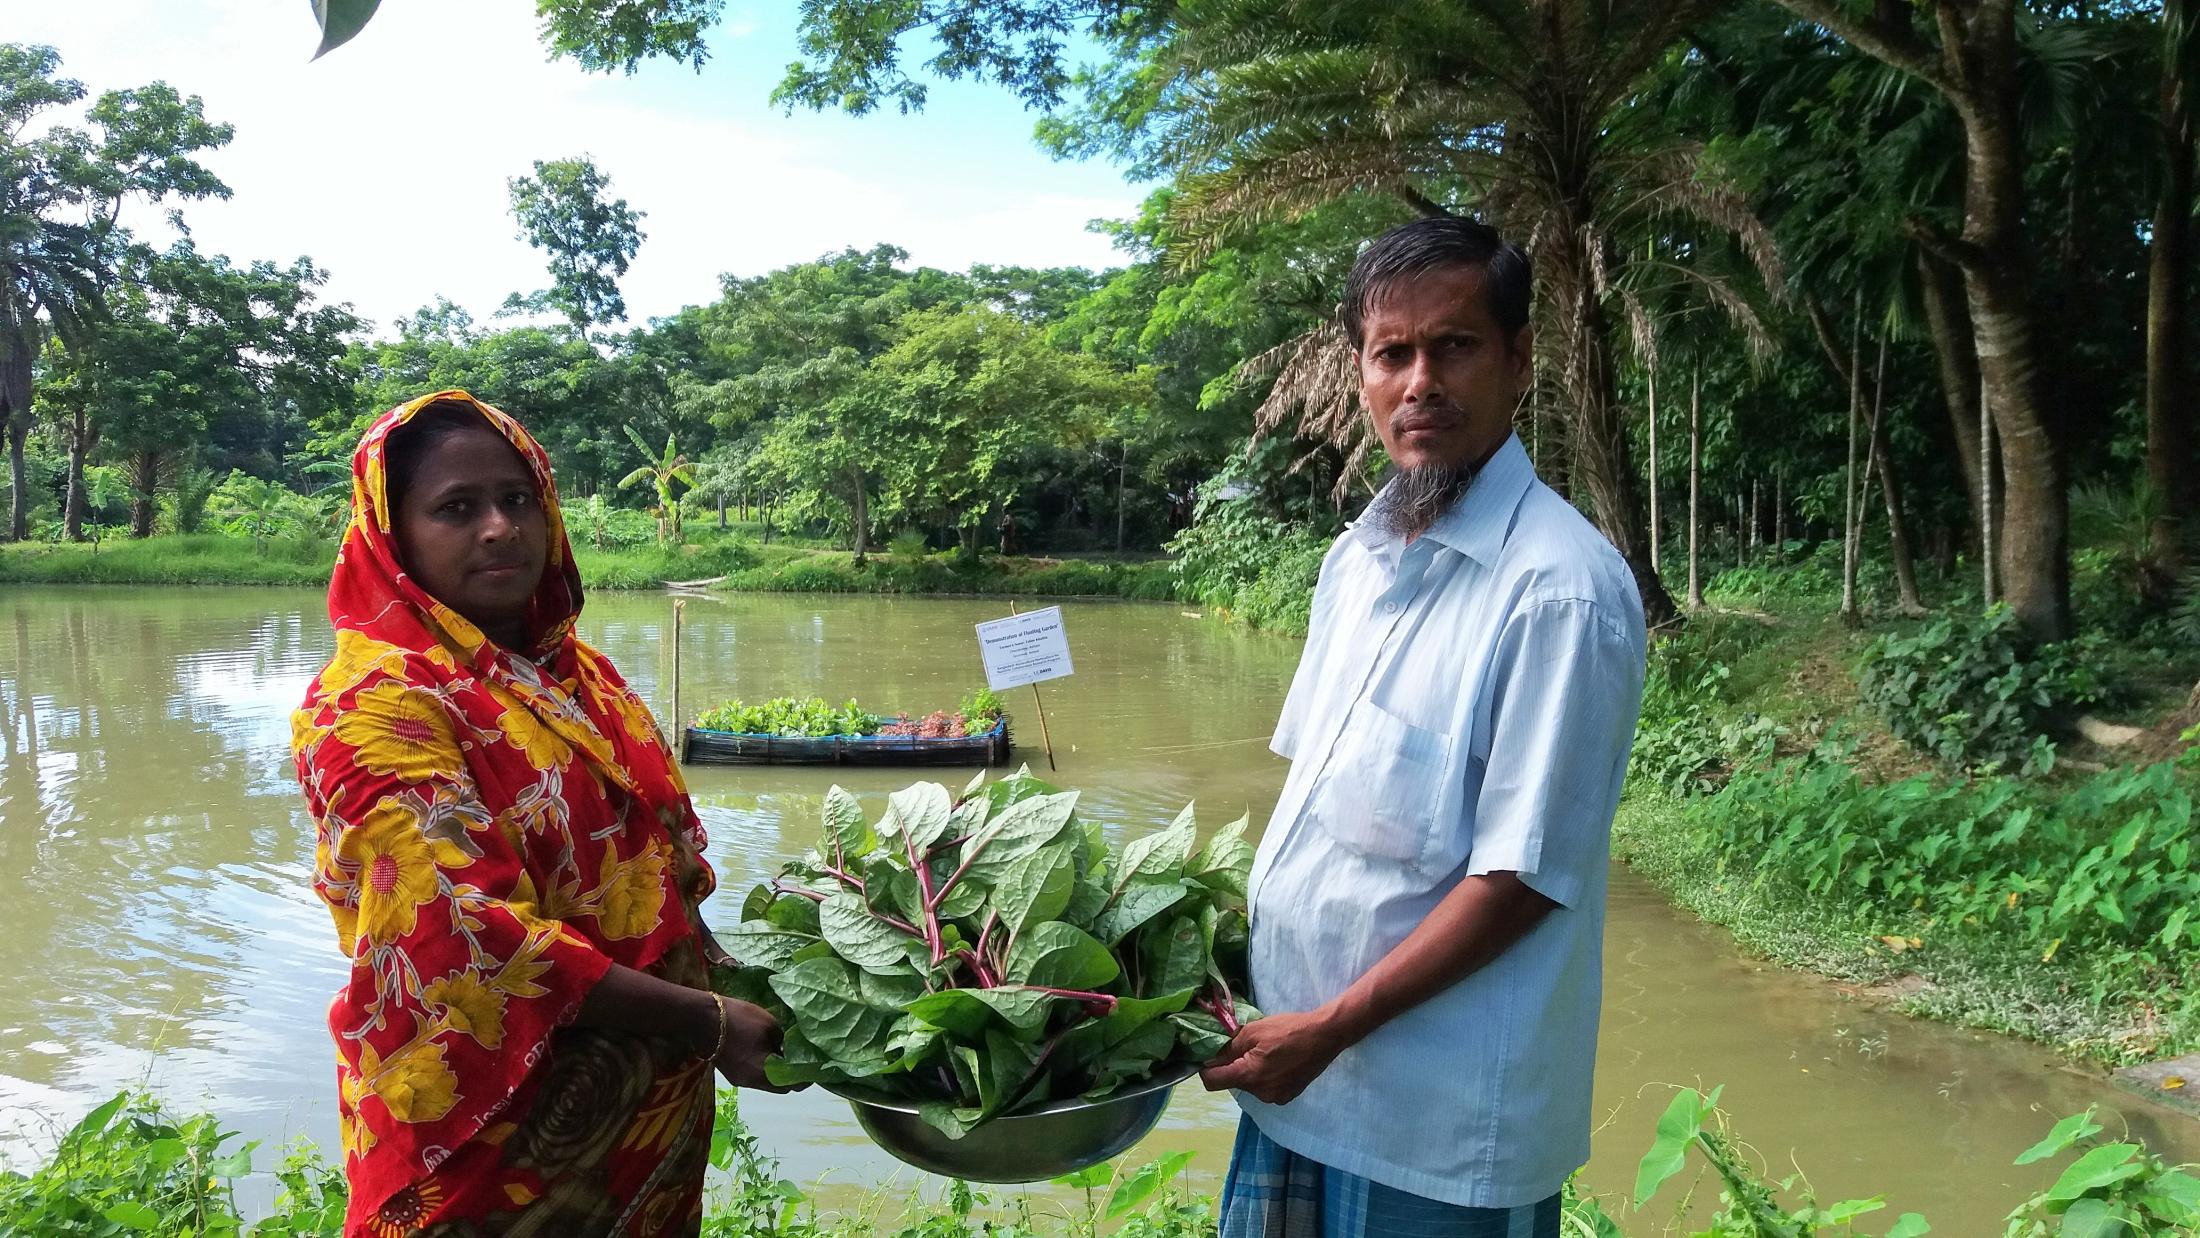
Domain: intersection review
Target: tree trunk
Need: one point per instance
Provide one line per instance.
(1122, 488)
(1851, 500)
(1598, 453)
(145, 471)
(1890, 491)
(1756, 515)
(721, 512)
(1655, 556)
(1779, 513)
(2170, 396)
(18, 352)
(1980, 48)
(76, 505)
(1695, 490)
(1988, 470)
(862, 515)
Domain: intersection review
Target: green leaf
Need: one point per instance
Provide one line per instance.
(2095, 1218)
(133, 1214)
(828, 1006)
(1035, 887)
(1006, 1082)
(844, 823)
(1682, 1121)
(968, 1012)
(795, 914)
(1909, 1225)
(918, 815)
(1061, 956)
(757, 943)
(862, 938)
(1202, 1034)
(1159, 856)
(953, 1121)
(341, 21)
(1089, 1177)
(1226, 862)
(1133, 1191)
(2065, 1133)
(235, 1165)
(2104, 1166)
(1132, 1014)
(1133, 906)
(1019, 830)
(1172, 956)
(96, 1121)
(890, 990)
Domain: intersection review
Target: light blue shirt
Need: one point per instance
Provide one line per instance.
(1464, 705)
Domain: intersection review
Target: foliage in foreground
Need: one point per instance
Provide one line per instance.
(132, 1167)
(984, 954)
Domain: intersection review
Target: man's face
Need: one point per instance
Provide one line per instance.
(471, 530)
(1437, 374)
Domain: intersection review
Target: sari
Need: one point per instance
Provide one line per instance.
(496, 828)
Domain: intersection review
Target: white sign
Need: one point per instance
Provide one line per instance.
(1023, 649)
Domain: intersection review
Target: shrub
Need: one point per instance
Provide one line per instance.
(907, 547)
(2106, 866)
(1970, 690)
(1261, 569)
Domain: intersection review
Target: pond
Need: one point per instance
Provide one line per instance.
(158, 924)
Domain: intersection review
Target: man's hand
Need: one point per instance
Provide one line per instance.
(1274, 1059)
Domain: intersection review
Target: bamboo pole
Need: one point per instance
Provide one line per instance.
(1040, 704)
(679, 720)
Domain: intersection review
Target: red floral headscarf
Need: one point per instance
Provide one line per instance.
(496, 829)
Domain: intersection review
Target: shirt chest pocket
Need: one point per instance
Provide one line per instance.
(1386, 787)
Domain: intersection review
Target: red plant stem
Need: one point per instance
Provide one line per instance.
(816, 897)
(846, 878)
(931, 905)
(1099, 1004)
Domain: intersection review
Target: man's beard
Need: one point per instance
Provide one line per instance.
(1412, 499)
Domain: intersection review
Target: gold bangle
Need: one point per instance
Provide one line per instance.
(718, 1046)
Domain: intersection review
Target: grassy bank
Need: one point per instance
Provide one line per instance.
(732, 563)
(1794, 784)
(131, 1166)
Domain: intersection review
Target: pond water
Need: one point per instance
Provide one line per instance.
(157, 924)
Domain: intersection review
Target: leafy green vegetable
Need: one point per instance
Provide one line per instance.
(988, 953)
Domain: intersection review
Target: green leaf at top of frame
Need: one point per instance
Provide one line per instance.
(341, 21)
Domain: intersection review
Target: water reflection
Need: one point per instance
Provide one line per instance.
(157, 920)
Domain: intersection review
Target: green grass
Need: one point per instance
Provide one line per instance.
(219, 559)
(185, 559)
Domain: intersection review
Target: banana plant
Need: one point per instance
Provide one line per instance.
(661, 470)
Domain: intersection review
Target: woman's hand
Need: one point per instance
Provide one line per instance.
(751, 1036)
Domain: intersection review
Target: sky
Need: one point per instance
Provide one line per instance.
(387, 160)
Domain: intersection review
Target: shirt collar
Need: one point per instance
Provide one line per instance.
(1477, 523)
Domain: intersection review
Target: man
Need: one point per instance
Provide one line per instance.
(1428, 901)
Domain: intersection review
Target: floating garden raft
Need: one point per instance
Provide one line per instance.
(795, 732)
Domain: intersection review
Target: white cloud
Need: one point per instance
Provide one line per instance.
(387, 160)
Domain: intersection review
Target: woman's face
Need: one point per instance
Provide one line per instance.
(471, 531)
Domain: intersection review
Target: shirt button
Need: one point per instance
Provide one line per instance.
(1390, 607)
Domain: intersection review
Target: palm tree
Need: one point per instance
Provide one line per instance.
(1528, 114)
(661, 470)
(48, 280)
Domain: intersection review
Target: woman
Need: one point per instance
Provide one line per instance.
(526, 1042)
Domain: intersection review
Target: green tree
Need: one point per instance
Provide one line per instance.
(964, 402)
(565, 210)
(61, 189)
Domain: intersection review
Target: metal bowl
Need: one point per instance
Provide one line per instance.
(1054, 1139)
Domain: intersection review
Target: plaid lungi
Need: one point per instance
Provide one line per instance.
(1273, 1192)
